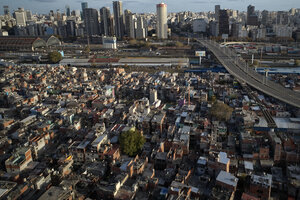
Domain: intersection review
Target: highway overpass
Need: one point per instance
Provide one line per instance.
(239, 69)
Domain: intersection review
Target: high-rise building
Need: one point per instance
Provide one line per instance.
(140, 29)
(127, 16)
(6, 10)
(199, 25)
(223, 22)
(119, 18)
(181, 17)
(70, 28)
(292, 11)
(28, 15)
(213, 28)
(105, 21)
(51, 13)
(31, 30)
(236, 29)
(264, 17)
(217, 9)
(112, 26)
(132, 32)
(250, 10)
(91, 21)
(58, 15)
(68, 11)
(146, 25)
(61, 29)
(130, 24)
(282, 18)
(76, 13)
(84, 5)
(161, 23)
(20, 16)
(252, 18)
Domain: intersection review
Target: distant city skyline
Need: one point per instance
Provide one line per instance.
(140, 6)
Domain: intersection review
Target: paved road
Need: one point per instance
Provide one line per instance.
(239, 68)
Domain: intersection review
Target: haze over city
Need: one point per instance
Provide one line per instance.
(139, 6)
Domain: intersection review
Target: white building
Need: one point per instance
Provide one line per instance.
(132, 25)
(3, 33)
(161, 24)
(20, 16)
(140, 29)
(109, 42)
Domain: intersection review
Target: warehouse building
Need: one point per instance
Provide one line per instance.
(16, 43)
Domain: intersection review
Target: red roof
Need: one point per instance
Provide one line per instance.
(246, 196)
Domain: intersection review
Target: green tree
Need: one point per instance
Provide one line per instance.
(87, 50)
(221, 111)
(54, 57)
(132, 42)
(179, 44)
(131, 142)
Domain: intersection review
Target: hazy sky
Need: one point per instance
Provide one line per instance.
(43, 6)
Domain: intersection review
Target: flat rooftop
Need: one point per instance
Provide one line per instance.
(227, 178)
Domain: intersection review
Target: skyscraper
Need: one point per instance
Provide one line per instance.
(127, 14)
(252, 18)
(282, 18)
(6, 10)
(217, 13)
(91, 21)
(223, 22)
(264, 17)
(84, 5)
(119, 18)
(28, 15)
(70, 27)
(51, 13)
(217, 9)
(105, 21)
(68, 11)
(140, 28)
(132, 26)
(20, 16)
(58, 15)
(161, 23)
(250, 10)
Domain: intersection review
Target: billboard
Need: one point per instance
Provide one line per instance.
(200, 53)
(224, 36)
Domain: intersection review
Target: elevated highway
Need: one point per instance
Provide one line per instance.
(239, 69)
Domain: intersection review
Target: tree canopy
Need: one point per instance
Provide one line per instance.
(131, 142)
(87, 50)
(221, 111)
(179, 44)
(54, 57)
